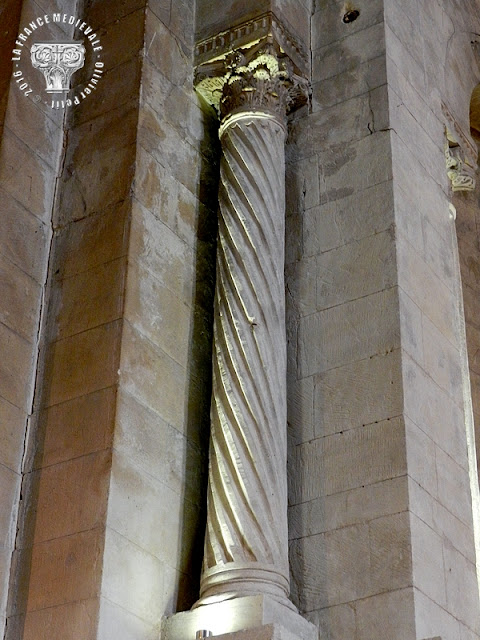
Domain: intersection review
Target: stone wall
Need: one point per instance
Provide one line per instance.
(379, 466)
(107, 254)
(31, 141)
(109, 532)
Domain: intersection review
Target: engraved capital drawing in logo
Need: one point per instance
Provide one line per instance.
(58, 61)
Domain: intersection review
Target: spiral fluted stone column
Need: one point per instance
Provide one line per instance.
(245, 577)
(246, 538)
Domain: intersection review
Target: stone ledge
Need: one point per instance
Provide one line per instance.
(245, 618)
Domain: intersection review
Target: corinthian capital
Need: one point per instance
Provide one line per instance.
(257, 75)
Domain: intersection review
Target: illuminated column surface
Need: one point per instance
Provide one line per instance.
(245, 577)
(246, 542)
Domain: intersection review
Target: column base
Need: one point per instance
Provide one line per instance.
(251, 617)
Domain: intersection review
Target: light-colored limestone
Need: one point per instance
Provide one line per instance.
(154, 310)
(15, 368)
(13, 422)
(25, 238)
(389, 613)
(453, 486)
(114, 621)
(346, 53)
(249, 613)
(356, 458)
(421, 458)
(33, 186)
(145, 369)
(358, 394)
(342, 221)
(156, 447)
(432, 619)
(348, 508)
(356, 270)
(137, 581)
(427, 561)
(349, 332)
(434, 411)
(9, 492)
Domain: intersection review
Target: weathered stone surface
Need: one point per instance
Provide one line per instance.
(332, 568)
(462, 587)
(86, 189)
(411, 328)
(158, 313)
(13, 421)
(144, 369)
(334, 622)
(349, 219)
(75, 428)
(122, 40)
(117, 88)
(25, 238)
(63, 570)
(348, 508)
(83, 363)
(442, 360)
(352, 120)
(349, 460)
(349, 332)
(300, 409)
(117, 622)
(166, 52)
(157, 448)
(76, 618)
(16, 377)
(92, 241)
(432, 619)
(453, 487)
(151, 584)
(9, 492)
(71, 496)
(427, 558)
(387, 613)
(421, 458)
(151, 516)
(90, 299)
(433, 411)
(349, 84)
(20, 296)
(426, 289)
(162, 252)
(168, 199)
(42, 135)
(356, 270)
(346, 54)
(358, 394)
(328, 26)
(33, 186)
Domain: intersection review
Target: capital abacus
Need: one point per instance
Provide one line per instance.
(59, 18)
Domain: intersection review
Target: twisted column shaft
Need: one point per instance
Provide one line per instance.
(246, 542)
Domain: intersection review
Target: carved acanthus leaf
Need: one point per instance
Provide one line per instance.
(261, 77)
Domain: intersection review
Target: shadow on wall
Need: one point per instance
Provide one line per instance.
(200, 355)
